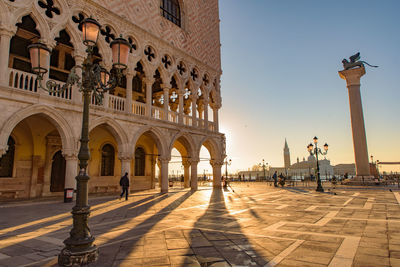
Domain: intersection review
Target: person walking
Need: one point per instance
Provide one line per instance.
(275, 177)
(124, 183)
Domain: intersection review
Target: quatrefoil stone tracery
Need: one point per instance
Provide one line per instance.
(166, 61)
(149, 53)
(109, 36)
(50, 8)
(181, 68)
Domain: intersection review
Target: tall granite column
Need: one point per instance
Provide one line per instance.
(352, 77)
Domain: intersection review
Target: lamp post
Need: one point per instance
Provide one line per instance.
(263, 165)
(227, 162)
(79, 248)
(314, 150)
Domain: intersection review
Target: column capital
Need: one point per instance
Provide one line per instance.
(352, 76)
(123, 157)
(7, 30)
(186, 163)
(193, 160)
(166, 86)
(70, 156)
(216, 163)
(130, 73)
(164, 159)
(148, 80)
(181, 92)
(193, 97)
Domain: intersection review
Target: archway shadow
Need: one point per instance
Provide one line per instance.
(121, 246)
(218, 237)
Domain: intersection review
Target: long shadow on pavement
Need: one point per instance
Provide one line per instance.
(217, 237)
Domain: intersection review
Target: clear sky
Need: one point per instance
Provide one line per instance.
(280, 62)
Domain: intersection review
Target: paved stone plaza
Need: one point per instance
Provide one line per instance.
(256, 225)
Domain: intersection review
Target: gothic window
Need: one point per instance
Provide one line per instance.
(7, 160)
(107, 160)
(139, 161)
(26, 35)
(171, 11)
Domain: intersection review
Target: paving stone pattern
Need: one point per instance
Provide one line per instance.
(256, 225)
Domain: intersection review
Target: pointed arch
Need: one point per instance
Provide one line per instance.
(74, 34)
(41, 23)
(186, 140)
(116, 130)
(212, 146)
(158, 137)
(54, 116)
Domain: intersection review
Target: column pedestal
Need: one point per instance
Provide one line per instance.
(352, 77)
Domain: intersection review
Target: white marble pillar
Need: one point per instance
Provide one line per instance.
(194, 103)
(215, 118)
(149, 95)
(206, 113)
(181, 102)
(128, 102)
(193, 173)
(164, 175)
(5, 38)
(166, 88)
(216, 165)
(71, 171)
(352, 77)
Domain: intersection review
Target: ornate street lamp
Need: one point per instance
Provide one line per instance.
(263, 165)
(226, 167)
(79, 248)
(314, 150)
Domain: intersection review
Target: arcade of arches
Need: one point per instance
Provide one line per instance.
(164, 102)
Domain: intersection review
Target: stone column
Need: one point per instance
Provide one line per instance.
(215, 118)
(194, 102)
(352, 77)
(5, 38)
(193, 173)
(181, 100)
(166, 88)
(216, 165)
(206, 114)
(164, 175)
(33, 183)
(71, 170)
(186, 178)
(149, 95)
(128, 104)
(126, 167)
(76, 95)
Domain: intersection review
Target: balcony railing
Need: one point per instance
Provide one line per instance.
(116, 102)
(187, 120)
(173, 117)
(28, 81)
(157, 113)
(139, 108)
(21, 80)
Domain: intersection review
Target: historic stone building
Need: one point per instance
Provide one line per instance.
(169, 98)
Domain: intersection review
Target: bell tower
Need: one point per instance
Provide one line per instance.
(286, 155)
